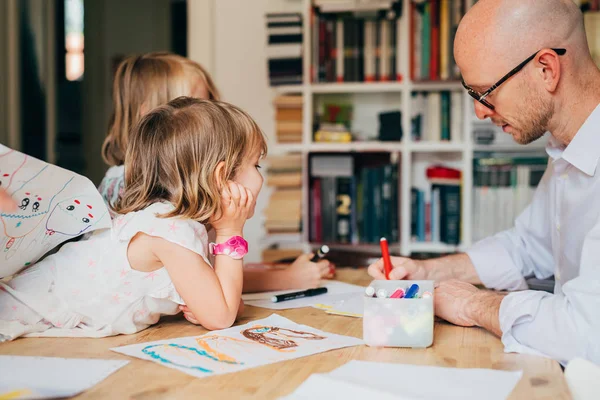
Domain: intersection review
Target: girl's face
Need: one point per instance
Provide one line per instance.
(250, 177)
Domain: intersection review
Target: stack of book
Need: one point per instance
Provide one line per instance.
(437, 116)
(356, 44)
(436, 210)
(284, 50)
(433, 26)
(284, 214)
(288, 118)
(350, 205)
(335, 123)
(503, 186)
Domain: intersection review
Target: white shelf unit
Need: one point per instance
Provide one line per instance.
(405, 151)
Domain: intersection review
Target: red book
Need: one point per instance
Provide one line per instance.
(434, 70)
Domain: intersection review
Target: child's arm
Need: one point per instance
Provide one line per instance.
(213, 297)
(302, 274)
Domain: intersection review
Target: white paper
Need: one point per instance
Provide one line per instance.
(347, 304)
(334, 288)
(53, 205)
(257, 343)
(323, 386)
(404, 381)
(51, 377)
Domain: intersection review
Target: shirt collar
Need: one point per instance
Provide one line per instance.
(584, 150)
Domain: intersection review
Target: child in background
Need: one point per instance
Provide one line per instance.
(144, 82)
(191, 164)
(141, 84)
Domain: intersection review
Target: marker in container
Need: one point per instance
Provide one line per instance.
(299, 295)
(322, 252)
(382, 294)
(412, 291)
(398, 294)
(370, 291)
(385, 253)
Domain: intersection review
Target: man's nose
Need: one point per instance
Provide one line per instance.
(482, 111)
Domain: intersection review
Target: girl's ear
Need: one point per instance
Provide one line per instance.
(220, 174)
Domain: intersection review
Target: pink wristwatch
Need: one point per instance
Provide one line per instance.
(235, 247)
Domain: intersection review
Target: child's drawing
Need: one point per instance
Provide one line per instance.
(267, 341)
(278, 338)
(46, 213)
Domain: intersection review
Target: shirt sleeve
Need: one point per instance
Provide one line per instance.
(562, 326)
(503, 260)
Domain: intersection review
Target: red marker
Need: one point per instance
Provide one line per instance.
(385, 253)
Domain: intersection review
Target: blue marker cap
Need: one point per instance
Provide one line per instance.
(412, 291)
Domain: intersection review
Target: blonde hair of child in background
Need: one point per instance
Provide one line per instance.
(141, 83)
(144, 82)
(190, 163)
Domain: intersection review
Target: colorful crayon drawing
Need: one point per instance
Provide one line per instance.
(47, 211)
(257, 343)
(277, 338)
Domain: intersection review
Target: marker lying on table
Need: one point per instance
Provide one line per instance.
(385, 253)
(299, 295)
(322, 252)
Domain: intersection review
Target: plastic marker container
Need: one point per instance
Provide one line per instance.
(398, 322)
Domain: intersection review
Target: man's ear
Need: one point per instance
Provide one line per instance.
(548, 65)
(219, 174)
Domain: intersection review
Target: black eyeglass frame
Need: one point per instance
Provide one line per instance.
(480, 97)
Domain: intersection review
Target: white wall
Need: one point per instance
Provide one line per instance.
(234, 52)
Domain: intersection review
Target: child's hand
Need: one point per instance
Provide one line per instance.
(304, 274)
(237, 203)
(6, 202)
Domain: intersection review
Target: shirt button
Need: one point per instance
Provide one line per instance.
(557, 274)
(558, 226)
(565, 176)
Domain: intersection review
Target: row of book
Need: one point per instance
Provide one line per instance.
(436, 209)
(360, 46)
(352, 206)
(284, 214)
(503, 186)
(437, 116)
(284, 48)
(288, 118)
(433, 26)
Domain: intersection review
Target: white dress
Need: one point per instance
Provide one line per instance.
(88, 288)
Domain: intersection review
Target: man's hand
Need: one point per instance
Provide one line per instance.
(402, 268)
(463, 304)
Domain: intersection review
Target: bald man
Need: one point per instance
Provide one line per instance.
(527, 66)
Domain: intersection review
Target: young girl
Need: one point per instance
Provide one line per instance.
(144, 82)
(190, 164)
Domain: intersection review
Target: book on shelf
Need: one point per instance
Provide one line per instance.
(350, 204)
(284, 213)
(433, 26)
(288, 118)
(284, 48)
(503, 186)
(437, 116)
(436, 208)
(351, 43)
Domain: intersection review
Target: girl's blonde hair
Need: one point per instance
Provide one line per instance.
(174, 151)
(144, 82)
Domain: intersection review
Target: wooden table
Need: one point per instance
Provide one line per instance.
(453, 347)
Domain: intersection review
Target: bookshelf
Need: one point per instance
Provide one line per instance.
(409, 155)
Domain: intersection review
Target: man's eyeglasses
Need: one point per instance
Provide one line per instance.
(480, 97)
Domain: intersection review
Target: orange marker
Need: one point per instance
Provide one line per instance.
(385, 253)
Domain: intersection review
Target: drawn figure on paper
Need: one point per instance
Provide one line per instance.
(186, 356)
(12, 161)
(74, 216)
(278, 338)
(212, 347)
(34, 199)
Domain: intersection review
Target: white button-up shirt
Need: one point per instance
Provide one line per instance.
(558, 234)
